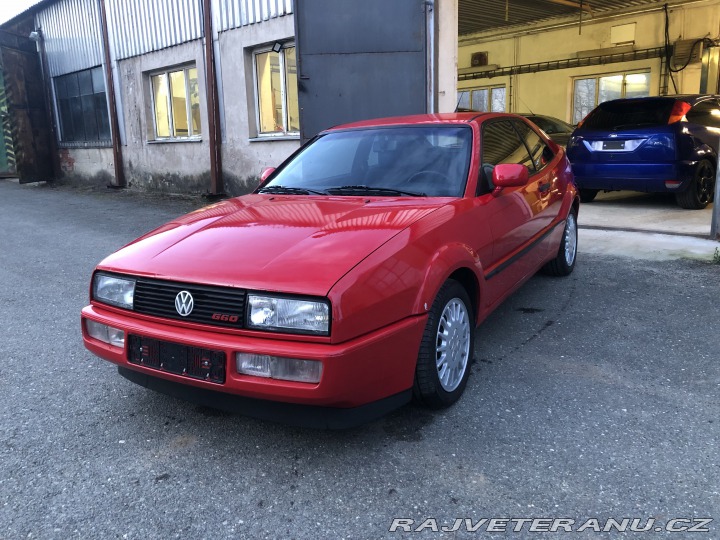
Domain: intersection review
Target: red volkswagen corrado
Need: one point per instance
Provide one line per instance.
(351, 280)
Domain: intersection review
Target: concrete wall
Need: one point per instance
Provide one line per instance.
(87, 165)
(183, 166)
(244, 153)
(446, 14)
(550, 92)
(171, 166)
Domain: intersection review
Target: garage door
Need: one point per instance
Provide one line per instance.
(359, 60)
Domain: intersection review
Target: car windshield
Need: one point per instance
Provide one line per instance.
(427, 161)
(614, 115)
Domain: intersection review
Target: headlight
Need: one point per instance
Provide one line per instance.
(274, 313)
(114, 290)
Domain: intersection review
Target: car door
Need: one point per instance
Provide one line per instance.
(513, 213)
(546, 177)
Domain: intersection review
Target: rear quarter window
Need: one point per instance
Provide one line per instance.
(705, 113)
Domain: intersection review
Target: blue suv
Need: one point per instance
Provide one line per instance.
(653, 144)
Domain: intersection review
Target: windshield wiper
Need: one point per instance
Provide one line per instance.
(372, 189)
(291, 190)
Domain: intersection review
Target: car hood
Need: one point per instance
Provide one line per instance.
(293, 244)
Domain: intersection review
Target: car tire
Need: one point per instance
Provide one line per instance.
(588, 195)
(446, 349)
(564, 262)
(701, 190)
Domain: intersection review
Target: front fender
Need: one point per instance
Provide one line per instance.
(402, 277)
(446, 261)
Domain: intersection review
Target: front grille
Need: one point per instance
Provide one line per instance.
(194, 362)
(217, 306)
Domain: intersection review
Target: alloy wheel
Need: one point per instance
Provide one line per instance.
(570, 239)
(705, 183)
(453, 344)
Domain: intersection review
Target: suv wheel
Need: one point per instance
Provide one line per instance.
(701, 189)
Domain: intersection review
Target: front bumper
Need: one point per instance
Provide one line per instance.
(293, 414)
(356, 373)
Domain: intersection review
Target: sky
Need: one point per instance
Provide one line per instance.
(10, 8)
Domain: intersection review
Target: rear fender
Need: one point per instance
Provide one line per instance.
(705, 151)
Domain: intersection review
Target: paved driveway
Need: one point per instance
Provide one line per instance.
(595, 396)
(651, 212)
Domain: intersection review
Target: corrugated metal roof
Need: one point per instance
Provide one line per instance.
(481, 15)
(236, 13)
(72, 35)
(138, 27)
(474, 15)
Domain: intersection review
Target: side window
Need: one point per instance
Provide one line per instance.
(539, 152)
(705, 113)
(500, 143)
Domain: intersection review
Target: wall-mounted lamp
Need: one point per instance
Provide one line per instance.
(35, 36)
(277, 47)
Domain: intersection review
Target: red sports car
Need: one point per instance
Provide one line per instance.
(351, 280)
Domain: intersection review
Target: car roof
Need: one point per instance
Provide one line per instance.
(416, 119)
(690, 98)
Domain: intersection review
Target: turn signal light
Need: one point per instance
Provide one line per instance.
(106, 334)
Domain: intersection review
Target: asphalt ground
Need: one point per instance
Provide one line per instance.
(593, 397)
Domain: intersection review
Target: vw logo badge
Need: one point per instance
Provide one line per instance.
(184, 303)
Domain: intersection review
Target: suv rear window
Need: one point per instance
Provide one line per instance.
(629, 114)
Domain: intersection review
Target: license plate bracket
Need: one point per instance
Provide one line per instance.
(613, 145)
(194, 362)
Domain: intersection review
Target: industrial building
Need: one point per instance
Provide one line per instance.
(132, 94)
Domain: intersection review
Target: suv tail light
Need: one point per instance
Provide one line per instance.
(678, 111)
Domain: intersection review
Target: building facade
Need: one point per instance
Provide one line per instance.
(139, 97)
(159, 66)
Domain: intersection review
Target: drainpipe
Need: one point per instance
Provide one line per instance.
(213, 109)
(715, 224)
(114, 122)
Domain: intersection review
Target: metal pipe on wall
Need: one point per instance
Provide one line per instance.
(431, 53)
(110, 85)
(715, 223)
(213, 109)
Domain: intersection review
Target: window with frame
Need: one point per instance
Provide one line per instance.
(176, 103)
(82, 107)
(276, 97)
(589, 92)
(488, 99)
